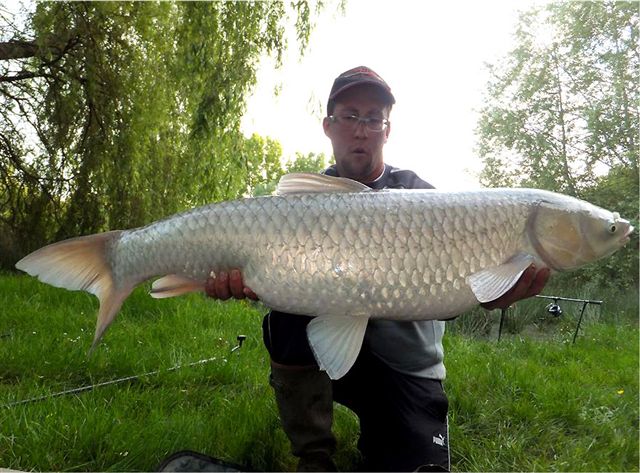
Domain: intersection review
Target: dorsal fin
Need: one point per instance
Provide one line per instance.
(309, 183)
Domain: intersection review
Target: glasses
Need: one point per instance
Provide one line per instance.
(351, 122)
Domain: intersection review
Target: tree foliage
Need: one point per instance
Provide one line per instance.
(113, 114)
(561, 113)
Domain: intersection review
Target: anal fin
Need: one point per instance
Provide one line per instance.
(174, 285)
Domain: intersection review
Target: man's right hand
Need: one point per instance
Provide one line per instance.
(226, 285)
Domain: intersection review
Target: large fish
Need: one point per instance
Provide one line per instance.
(335, 249)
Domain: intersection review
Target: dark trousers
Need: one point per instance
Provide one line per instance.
(403, 418)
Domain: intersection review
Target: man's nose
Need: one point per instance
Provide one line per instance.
(361, 130)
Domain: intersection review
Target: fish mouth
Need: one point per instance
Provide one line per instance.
(627, 236)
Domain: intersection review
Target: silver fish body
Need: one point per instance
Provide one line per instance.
(354, 254)
(399, 255)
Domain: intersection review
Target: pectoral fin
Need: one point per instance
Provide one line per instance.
(491, 283)
(336, 342)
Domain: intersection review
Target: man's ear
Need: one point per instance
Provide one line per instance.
(326, 126)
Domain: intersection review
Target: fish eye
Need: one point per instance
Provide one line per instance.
(612, 228)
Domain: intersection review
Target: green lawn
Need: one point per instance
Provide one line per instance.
(531, 402)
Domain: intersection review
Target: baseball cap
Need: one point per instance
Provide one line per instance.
(358, 76)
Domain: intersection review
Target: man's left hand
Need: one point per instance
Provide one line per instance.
(531, 283)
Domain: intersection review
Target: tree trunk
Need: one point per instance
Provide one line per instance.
(18, 50)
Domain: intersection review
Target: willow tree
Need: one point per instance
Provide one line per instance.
(561, 111)
(115, 113)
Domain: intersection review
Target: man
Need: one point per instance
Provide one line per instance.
(395, 386)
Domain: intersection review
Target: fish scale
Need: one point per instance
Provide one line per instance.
(344, 256)
(341, 260)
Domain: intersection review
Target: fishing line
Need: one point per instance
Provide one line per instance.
(240, 338)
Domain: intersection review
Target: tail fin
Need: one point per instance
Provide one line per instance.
(81, 264)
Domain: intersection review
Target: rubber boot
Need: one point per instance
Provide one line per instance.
(305, 402)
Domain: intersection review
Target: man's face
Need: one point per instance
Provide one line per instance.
(357, 149)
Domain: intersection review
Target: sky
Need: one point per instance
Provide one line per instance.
(431, 53)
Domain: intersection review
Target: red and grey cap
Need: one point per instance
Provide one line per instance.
(358, 76)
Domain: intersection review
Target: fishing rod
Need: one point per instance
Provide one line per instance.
(555, 310)
(240, 339)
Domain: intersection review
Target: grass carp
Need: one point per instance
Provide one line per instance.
(335, 249)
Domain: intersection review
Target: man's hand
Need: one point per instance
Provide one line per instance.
(227, 285)
(530, 284)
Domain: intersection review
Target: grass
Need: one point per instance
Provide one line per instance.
(532, 402)
(528, 405)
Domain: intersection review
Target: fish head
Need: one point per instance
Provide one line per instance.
(569, 233)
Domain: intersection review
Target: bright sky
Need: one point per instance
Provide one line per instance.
(432, 54)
